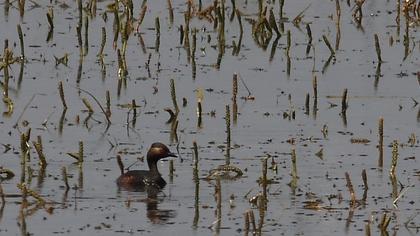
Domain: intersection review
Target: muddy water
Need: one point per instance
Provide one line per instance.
(95, 206)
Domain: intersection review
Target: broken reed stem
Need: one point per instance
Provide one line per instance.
(195, 156)
(337, 10)
(81, 151)
(3, 200)
(65, 178)
(367, 228)
(246, 227)
(309, 33)
(238, 16)
(108, 104)
(234, 95)
(344, 102)
(79, 38)
(171, 168)
(381, 142)
(385, 220)
(378, 49)
(174, 127)
(171, 12)
(252, 219)
(24, 145)
(103, 41)
(234, 87)
(294, 167)
(6, 55)
(50, 17)
(120, 164)
(327, 42)
(61, 92)
(199, 112)
(351, 190)
(315, 87)
(157, 26)
(273, 24)
(307, 100)
(173, 96)
(141, 16)
(218, 192)
(99, 104)
(364, 178)
(227, 118)
(264, 170)
(31, 193)
(87, 104)
(22, 48)
(181, 34)
(197, 185)
(289, 42)
(394, 158)
(38, 148)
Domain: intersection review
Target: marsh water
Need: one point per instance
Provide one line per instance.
(274, 120)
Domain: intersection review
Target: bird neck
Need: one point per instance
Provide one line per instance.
(152, 163)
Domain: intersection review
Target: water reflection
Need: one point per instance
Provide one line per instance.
(152, 201)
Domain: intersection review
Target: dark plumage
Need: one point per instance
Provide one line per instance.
(140, 179)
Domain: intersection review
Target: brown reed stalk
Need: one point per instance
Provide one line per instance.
(273, 23)
(309, 33)
(79, 39)
(381, 142)
(7, 54)
(218, 194)
(378, 48)
(385, 220)
(81, 155)
(246, 226)
(108, 104)
(87, 104)
(294, 167)
(171, 12)
(364, 178)
(38, 148)
(367, 229)
(289, 42)
(234, 87)
(351, 190)
(228, 138)
(181, 34)
(61, 92)
(234, 96)
(65, 178)
(171, 168)
(173, 96)
(22, 47)
(120, 164)
(344, 102)
(252, 219)
(3, 199)
(394, 159)
(50, 17)
(327, 42)
(103, 42)
(307, 101)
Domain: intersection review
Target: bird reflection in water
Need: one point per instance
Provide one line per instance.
(154, 196)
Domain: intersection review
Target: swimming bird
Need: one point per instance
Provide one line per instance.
(142, 179)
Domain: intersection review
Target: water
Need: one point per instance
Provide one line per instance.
(95, 206)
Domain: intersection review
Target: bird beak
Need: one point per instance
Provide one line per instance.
(171, 154)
